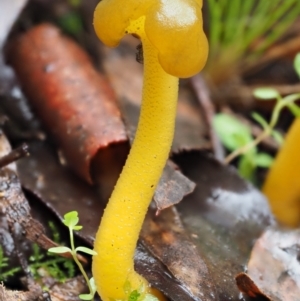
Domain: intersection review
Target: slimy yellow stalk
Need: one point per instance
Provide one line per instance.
(174, 45)
(282, 186)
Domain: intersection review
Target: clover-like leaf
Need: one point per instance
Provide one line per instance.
(77, 228)
(231, 131)
(263, 160)
(266, 93)
(86, 250)
(60, 250)
(71, 219)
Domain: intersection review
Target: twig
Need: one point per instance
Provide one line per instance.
(203, 96)
(245, 148)
(14, 155)
(256, 131)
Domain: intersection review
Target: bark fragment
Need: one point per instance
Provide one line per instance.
(75, 102)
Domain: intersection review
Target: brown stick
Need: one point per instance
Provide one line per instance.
(205, 102)
(14, 155)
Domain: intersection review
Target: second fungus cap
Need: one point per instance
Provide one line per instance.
(174, 27)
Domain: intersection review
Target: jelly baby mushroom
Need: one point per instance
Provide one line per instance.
(282, 183)
(174, 45)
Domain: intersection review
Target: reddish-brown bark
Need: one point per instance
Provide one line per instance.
(76, 103)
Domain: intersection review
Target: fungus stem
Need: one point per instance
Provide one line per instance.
(121, 223)
(282, 184)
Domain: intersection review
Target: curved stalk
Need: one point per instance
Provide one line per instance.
(121, 223)
(282, 183)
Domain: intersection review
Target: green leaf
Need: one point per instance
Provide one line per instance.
(71, 219)
(289, 99)
(266, 93)
(246, 167)
(263, 160)
(93, 285)
(277, 136)
(297, 64)
(259, 119)
(86, 250)
(295, 110)
(134, 295)
(231, 131)
(77, 228)
(59, 250)
(86, 296)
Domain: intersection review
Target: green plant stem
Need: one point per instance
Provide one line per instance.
(74, 255)
(247, 147)
(281, 103)
(10, 273)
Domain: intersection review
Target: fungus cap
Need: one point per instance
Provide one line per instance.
(174, 28)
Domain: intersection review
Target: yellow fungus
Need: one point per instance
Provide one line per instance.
(174, 45)
(282, 186)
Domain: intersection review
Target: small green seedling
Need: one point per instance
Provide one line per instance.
(237, 137)
(58, 268)
(134, 295)
(71, 221)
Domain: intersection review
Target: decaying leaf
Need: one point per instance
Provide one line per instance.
(173, 186)
(167, 240)
(196, 252)
(59, 189)
(68, 87)
(35, 294)
(159, 276)
(223, 217)
(249, 288)
(274, 269)
(75, 102)
(62, 192)
(69, 290)
(14, 206)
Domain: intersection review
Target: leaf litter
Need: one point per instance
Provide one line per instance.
(192, 251)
